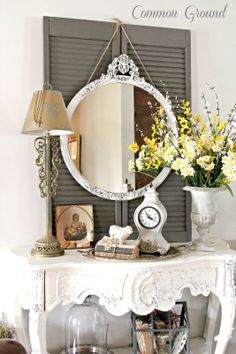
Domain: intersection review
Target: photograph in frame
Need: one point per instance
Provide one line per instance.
(74, 225)
(74, 146)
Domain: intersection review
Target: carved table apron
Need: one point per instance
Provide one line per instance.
(139, 286)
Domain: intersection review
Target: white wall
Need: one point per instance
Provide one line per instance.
(127, 131)
(98, 122)
(106, 118)
(21, 72)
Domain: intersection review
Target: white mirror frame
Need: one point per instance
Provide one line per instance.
(130, 75)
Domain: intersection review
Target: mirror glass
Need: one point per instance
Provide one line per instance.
(105, 123)
(107, 116)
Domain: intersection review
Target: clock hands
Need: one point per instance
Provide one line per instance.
(148, 216)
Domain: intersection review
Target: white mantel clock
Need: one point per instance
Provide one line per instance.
(149, 218)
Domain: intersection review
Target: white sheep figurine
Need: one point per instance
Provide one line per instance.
(120, 234)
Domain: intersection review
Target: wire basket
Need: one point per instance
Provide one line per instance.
(162, 332)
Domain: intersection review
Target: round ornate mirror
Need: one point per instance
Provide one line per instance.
(105, 115)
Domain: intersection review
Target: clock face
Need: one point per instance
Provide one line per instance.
(149, 217)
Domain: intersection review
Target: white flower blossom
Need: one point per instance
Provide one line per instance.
(131, 166)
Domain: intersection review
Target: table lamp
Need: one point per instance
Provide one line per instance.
(47, 116)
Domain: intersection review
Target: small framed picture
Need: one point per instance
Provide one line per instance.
(74, 225)
(74, 146)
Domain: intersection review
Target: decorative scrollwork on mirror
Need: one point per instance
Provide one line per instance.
(86, 162)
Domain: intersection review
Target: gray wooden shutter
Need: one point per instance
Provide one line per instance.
(72, 49)
(165, 54)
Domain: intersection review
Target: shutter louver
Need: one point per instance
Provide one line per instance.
(72, 60)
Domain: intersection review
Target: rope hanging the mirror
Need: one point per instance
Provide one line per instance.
(103, 53)
(119, 26)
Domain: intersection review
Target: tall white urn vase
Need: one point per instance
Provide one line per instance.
(203, 215)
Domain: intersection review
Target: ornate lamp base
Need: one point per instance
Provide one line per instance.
(45, 248)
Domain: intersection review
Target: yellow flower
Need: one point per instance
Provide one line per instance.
(183, 166)
(204, 127)
(229, 166)
(182, 139)
(157, 164)
(154, 130)
(186, 108)
(221, 126)
(190, 155)
(206, 162)
(185, 102)
(151, 143)
(188, 149)
(182, 120)
(203, 142)
(148, 164)
(185, 129)
(217, 143)
(187, 171)
(198, 118)
(184, 125)
(169, 154)
(216, 121)
(134, 147)
(161, 110)
(187, 112)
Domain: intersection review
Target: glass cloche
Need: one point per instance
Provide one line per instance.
(86, 329)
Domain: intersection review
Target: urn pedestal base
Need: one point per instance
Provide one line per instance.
(203, 215)
(198, 245)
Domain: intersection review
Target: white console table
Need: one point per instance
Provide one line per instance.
(140, 286)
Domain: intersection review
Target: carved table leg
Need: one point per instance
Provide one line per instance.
(210, 322)
(226, 326)
(37, 331)
(20, 325)
(37, 314)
